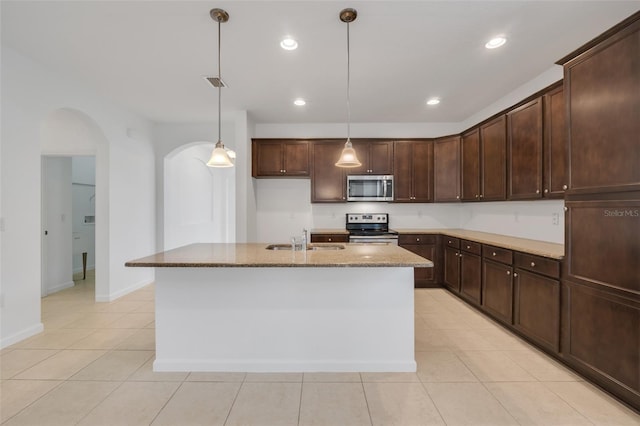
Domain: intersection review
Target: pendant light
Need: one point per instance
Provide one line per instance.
(348, 157)
(220, 155)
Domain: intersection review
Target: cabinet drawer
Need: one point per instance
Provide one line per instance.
(471, 247)
(541, 265)
(451, 242)
(329, 238)
(416, 239)
(498, 254)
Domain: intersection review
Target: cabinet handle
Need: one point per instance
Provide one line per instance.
(476, 195)
(330, 240)
(457, 197)
(508, 272)
(417, 239)
(493, 254)
(537, 191)
(564, 187)
(481, 196)
(546, 191)
(515, 274)
(566, 208)
(533, 264)
(460, 255)
(468, 247)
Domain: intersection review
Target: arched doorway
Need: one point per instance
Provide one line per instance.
(199, 201)
(66, 133)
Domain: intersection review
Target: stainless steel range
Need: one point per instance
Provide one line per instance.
(370, 228)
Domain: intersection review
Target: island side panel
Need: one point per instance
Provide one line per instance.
(285, 319)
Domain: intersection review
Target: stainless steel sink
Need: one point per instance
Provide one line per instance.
(309, 247)
(279, 247)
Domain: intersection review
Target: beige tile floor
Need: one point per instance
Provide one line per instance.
(93, 366)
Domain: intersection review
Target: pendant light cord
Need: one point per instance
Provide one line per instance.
(348, 88)
(219, 89)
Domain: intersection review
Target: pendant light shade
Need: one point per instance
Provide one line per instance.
(348, 157)
(220, 155)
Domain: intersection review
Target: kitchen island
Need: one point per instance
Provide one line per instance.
(243, 307)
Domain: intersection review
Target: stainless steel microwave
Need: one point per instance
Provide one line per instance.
(370, 188)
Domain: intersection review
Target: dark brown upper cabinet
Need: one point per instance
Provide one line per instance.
(484, 162)
(524, 133)
(602, 87)
(279, 158)
(554, 168)
(413, 171)
(446, 169)
(328, 182)
(470, 170)
(376, 158)
(493, 156)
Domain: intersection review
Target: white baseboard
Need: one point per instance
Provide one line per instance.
(59, 287)
(116, 295)
(21, 335)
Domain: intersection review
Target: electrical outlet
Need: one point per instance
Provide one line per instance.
(555, 218)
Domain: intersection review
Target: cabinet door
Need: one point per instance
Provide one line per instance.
(554, 170)
(493, 165)
(603, 243)
(296, 158)
(470, 153)
(470, 276)
(497, 290)
(524, 132)
(422, 172)
(403, 171)
(381, 158)
(452, 268)
(602, 87)
(446, 169)
(328, 182)
(267, 158)
(537, 308)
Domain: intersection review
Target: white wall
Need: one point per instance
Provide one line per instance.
(57, 221)
(124, 172)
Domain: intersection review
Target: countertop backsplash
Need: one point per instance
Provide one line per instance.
(284, 209)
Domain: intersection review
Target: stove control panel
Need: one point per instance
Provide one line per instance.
(382, 218)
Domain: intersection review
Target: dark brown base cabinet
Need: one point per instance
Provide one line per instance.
(470, 271)
(451, 268)
(536, 301)
(424, 245)
(497, 290)
(601, 337)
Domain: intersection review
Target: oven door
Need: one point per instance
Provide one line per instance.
(374, 239)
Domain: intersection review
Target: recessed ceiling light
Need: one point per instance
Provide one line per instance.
(495, 42)
(299, 102)
(289, 44)
(433, 101)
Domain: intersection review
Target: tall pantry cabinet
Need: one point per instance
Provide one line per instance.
(601, 280)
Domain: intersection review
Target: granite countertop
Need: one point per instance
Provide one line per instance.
(540, 248)
(256, 255)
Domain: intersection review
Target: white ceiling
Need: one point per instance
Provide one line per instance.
(150, 56)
